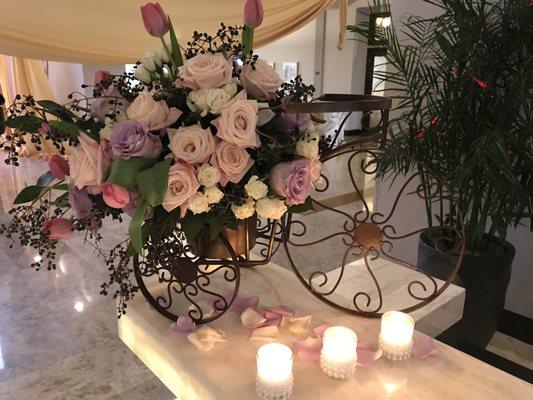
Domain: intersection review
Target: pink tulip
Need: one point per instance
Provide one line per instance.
(253, 13)
(102, 77)
(154, 19)
(57, 228)
(58, 166)
(115, 195)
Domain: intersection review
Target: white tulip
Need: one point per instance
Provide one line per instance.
(161, 55)
(142, 74)
(148, 62)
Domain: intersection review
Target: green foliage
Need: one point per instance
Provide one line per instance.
(135, 228)
(152, 183)
(67, 129)
(300, 208)
(124, 172)
(27, 123)
(175, 53)
(29, 193)
(192, 224)
(57, 110)
(461, 84)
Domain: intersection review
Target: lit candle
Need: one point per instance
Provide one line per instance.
(274, 378)
(339, 352)
(396, 338)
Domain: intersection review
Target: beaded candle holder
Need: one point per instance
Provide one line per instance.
(338, 357)
(396, 337)
(274, 379)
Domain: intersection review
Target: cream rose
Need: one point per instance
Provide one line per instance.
(237, 123)
(255, 188)
(307, 146)
(232, 161)
(198, 203)
(213, 194)
(182, 185)
(204, 101)
(156, 114)
(197, 101)
(208, 175)
(270, 208)
(216, 99)
(89, 161)
(260, 81)
(244, 211)
(206, 70)
(191, 144)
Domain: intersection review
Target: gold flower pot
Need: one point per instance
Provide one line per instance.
(237, 238)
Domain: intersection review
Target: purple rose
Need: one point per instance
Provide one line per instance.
(131, 138)
(295, 120)
(80, 202)
(292, 180)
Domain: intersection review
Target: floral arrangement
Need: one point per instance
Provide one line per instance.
(196, 137)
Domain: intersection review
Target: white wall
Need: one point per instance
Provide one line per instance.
(64, 78)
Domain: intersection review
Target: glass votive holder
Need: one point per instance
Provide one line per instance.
(274, 379)
(396, 337)
(338, 357)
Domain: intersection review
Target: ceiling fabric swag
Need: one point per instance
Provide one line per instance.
(108, 31)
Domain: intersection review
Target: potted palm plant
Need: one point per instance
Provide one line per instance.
(462, 82)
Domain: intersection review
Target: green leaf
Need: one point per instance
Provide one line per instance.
(27, 123)
(58, 110)
(300, 208)
(175, 53)
(192, 224)
(135, 228)
(66, 128)
(152, 182)
(61, 186)
(91, 126)
(45, 179)
(215, 226)
(28, 194)
(444, 44)
(124, 172)
(62, 201)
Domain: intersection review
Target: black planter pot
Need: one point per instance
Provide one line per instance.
(485, 278)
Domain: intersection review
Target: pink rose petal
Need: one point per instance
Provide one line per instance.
(183, 326)
(308, 349)
(366, 355)
(242, 303)
(319, 329)
(250, 318)
(423, 346)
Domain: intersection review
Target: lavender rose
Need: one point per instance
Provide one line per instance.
(80, 202)
(300, 120)
(131, 138)
(260, 81)
(292, 180)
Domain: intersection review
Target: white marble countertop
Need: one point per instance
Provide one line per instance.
(227, 371)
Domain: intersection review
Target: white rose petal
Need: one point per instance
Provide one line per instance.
(244, 211)
(142, 74)
(198, 203)
(208, 175)
(148, 62)
(255, 188)
(213, 194)
(270, 208)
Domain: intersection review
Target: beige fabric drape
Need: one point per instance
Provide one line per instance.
(111, 31)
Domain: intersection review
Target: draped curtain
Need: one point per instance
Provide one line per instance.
(111, 31)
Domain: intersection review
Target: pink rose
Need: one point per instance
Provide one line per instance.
(182, 185)
(58, 166)
(237, 123)
(57, 228)
(316, 167)
(206, 70)
(114, 195)
(292, 180)
(154, 19)
(89, 161)
(260, 81)
(156, 114)
(191, 144)
(102, 77)
(232, 161)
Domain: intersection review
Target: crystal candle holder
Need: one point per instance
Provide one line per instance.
(396, 337)
(338, 357)
(274, 379)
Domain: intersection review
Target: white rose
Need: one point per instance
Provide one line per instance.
(244, 211)
(230, 88)
(213, 194)
(307, 146)
(255, 188)
(197, 101)
(161, 55)
(216, 99)
(156, 114)
(198, 203)
(142, 74)
(208, 175)
(270, 208)
(110, 123)
(192, 144)
(148, 62)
